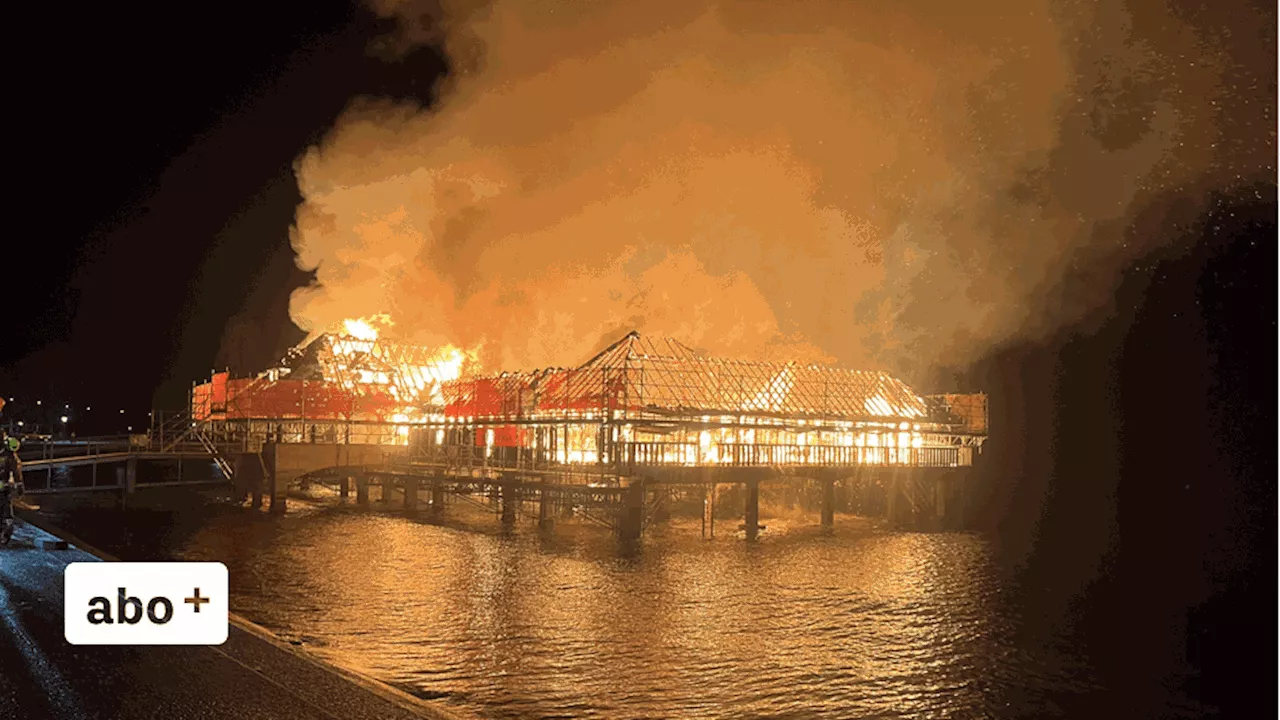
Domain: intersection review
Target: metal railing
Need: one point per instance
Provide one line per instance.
(57, 449)
(762, 455)
(688, 454)
(214, 452)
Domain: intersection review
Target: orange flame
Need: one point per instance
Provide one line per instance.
(360, 329)
(447, 364)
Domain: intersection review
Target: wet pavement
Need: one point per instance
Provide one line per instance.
(252, 675)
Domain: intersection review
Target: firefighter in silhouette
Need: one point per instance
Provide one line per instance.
(11, 487)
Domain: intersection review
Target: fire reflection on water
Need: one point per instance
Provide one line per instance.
(859, 623)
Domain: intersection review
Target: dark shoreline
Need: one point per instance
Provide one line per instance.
(241, 678)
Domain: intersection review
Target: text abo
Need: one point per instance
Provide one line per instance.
(179, 603)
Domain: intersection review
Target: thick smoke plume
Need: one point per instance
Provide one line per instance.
(880, 184)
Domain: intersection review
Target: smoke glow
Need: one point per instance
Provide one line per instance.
(880, 184)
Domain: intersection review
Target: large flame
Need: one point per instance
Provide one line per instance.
(360, 329)
(897, 183)
(411, 382)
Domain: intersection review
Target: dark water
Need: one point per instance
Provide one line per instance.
(859, 623)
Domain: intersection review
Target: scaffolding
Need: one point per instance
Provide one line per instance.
(638, 403)
(638, 377)
(642, 402)
(333, 389)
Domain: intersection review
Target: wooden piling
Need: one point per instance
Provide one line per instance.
(828, 502)
(545, 520)
(892, 491)
(709, 510)
(631, 513)
(279, 492)
(510, 499)
(410, 494)
(128, 480)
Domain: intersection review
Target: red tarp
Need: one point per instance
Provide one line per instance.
(218, 393)
(200, 402)
(287, 399)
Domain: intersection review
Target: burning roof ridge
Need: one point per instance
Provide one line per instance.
(687, 354)
(633, 346)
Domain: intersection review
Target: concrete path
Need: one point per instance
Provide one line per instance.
(252, 675)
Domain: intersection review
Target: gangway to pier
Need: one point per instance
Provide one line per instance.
(175, 440)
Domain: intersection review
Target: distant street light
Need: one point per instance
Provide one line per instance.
(19, 423)
(121, 412)
(64, 418)
(130, 428)
(37, 402)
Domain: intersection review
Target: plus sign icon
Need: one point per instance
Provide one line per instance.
(163, 603)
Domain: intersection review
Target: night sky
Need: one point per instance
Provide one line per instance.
(156, 171)
(158, 191)
(1131, 475)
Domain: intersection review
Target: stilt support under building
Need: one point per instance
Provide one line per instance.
(545, 521)
(279, 493)
(510, 499)
(410, 494)
(893, 499)
(129, 481)
(752, 515)
(828, 502)
(631, 514)
(709, 511)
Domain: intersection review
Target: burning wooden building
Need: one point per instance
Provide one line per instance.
(638, 403)
(644, 402)
(642, 424)
(334, 388)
